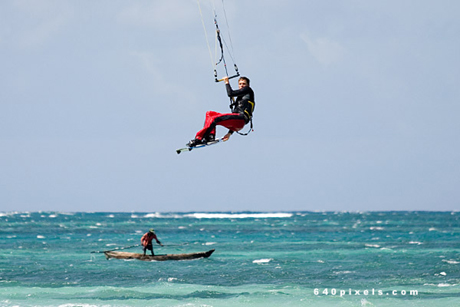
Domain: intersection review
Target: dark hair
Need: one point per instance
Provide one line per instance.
(244, 78)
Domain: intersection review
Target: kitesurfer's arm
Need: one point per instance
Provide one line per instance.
(230, 91)
(239, 92)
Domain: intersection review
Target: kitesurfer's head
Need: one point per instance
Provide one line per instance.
(243, 82)
(151, 230)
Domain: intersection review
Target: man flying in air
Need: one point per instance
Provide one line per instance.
(242, 109)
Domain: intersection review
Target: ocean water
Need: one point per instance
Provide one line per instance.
(261, 259)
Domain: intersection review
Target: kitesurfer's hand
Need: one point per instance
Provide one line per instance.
(226, 137)
(225, 80)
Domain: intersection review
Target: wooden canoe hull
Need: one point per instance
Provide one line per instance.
(126, 255)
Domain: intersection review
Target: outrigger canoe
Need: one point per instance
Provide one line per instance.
(126, 255)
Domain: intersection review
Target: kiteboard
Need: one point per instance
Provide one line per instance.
(216, 141)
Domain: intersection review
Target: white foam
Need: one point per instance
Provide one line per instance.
(238, 215)
(451, 261)
(213, 215)
(343, 272)
(260, 261)
(150, 215)
(80, 305)
(365, 302)
(372, 245)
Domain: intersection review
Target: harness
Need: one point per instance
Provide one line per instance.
(233, 104)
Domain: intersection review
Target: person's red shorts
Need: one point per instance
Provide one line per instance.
(232, 121)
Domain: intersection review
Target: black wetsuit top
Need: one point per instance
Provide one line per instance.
(244, 103)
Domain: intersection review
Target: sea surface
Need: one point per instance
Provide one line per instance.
(260, 259)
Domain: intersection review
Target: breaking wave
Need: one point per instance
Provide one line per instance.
(223, 215)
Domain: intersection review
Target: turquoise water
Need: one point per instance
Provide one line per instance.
(261, 259)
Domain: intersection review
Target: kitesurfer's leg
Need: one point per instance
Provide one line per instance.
(233, 124)
(210, 116)
(232, 121)
(208, 127)
(205, 135)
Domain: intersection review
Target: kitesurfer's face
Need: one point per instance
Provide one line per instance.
(242, 83)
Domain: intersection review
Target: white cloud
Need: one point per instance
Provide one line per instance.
(33, 23)
(161, 15)
(44, 31)
(150, 63)
(324, 50)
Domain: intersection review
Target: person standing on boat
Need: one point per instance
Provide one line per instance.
(146, 241)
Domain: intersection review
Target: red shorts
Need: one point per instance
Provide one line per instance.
(232, 121)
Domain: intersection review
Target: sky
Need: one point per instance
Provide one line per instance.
(357, 106)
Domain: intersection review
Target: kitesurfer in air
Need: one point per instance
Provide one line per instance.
(146, 241)
(241, 114)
